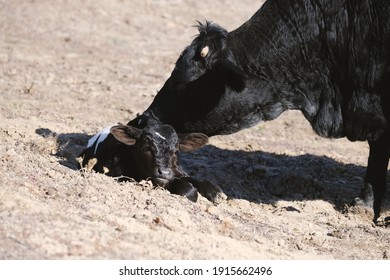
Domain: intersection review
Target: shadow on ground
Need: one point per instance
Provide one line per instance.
(70, 145)
(265, 177)
(256, 176)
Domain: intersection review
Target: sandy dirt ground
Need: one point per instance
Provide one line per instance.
(70, 68)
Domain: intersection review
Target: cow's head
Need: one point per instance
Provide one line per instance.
(209, 51)
(203, 87)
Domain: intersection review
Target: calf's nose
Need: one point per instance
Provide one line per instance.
(164, 171)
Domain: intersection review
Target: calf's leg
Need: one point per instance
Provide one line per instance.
(207, 189)
(183, 188)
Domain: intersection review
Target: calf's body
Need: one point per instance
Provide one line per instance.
(149, 153)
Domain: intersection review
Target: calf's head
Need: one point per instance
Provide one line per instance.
(123, 150)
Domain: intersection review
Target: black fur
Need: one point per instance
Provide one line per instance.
(148, 153)
(329, 59)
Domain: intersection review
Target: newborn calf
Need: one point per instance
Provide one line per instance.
(149, 153)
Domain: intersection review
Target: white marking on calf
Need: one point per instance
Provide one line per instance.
(99, 137)
(159, 135)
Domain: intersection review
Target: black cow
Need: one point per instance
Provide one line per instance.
(151, 153)
(330, 59)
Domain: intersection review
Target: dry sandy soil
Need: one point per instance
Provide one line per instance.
(70, 68)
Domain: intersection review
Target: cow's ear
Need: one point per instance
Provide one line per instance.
(192, 141)
(231, 75)
(126, 134)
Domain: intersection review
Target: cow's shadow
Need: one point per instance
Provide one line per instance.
(256, 176)
(267, 177)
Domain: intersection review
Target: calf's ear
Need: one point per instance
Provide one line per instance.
(126, 134)
(192, 141)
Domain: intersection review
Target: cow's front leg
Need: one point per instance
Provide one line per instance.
(375, 179)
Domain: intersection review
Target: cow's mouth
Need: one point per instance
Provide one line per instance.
(148, 117)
